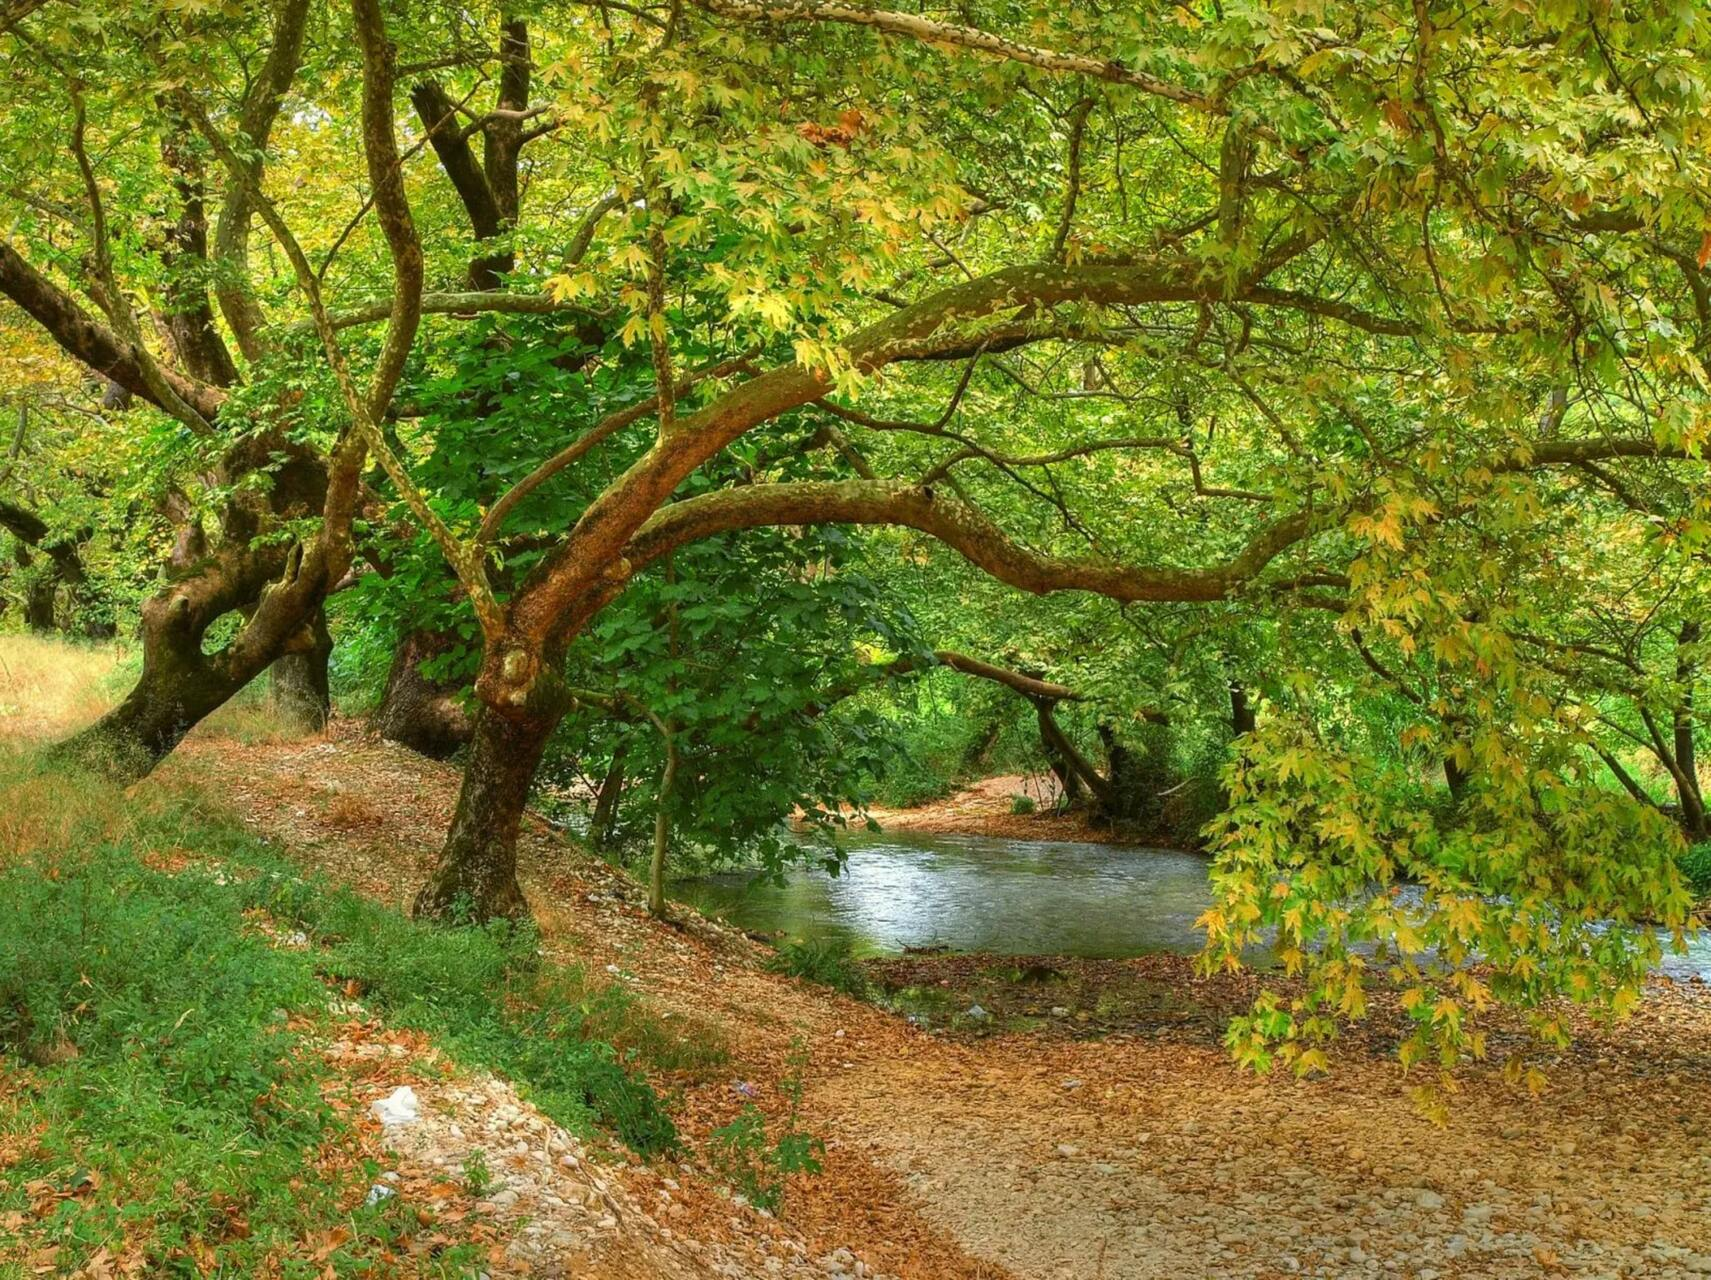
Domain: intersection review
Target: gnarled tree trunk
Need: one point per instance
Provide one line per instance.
(302, 698)
(429, 716)
(177, 688)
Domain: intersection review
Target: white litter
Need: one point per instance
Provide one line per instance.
(398, 1107)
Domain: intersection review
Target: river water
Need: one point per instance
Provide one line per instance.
(1008, 897)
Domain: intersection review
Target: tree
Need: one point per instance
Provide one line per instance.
(1339, 355)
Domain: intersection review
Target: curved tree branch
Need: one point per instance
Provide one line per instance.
(963, 528)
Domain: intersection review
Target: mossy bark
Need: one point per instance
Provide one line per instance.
(476, 878)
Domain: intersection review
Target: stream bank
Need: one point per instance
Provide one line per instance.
(1120, 1145)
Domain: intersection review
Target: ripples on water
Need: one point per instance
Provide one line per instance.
(1009, 897)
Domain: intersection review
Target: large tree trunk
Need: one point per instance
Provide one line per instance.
(425, 715)
(1456, 778)
(39, 595)
(1069, 780)
(1242, 718)
(279, 587)
(1137, 780)
(178, 687)
(1072, 768)
(476, 878)
(302, 698)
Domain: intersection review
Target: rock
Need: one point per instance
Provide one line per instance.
(400, 1107)
(1067, 1151)
(378, 1192)
(503, 1199)
(1058, 1011)
(1429, 1200)
(977, 1013)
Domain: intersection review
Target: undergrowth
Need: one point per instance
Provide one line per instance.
(1695, 864)
(161, 1094)
(827, 961)
(760, 1159)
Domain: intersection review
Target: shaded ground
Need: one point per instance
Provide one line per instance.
(988, 808)
(1119, 1144)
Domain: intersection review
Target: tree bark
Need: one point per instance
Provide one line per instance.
(301, 697)
(605, 819)
(1693, 815)
(1242, 718)
(1456, 778)
(476, 878)
(428, 716)
(40, 595)
(177, 688)
(1068, 779)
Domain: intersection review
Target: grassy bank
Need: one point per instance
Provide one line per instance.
(164, 1103)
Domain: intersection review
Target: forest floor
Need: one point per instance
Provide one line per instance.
(1113, 1138)
(988, 808)
(1091, 1129)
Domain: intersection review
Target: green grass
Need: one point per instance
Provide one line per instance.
(161, 1093)
(826, 961)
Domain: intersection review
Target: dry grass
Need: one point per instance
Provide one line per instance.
(49, 685)
(349, 812)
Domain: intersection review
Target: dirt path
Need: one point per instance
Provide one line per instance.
(1141, 1154)
(988, 808)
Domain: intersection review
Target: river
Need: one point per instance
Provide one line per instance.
(1008, 897)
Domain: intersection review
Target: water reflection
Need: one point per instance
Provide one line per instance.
(1009, 897)
(976, 893)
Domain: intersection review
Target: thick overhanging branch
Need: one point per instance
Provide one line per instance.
(963, 528)
(974, 40)
(602, 430)
(93, 343)
(1026, 685)
(929, 329)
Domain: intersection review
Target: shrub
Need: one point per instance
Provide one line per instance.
(827, 961)
(171, 1044)
(1021, 804)
(1695, 864)
(758, 1164)
(489, 998)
